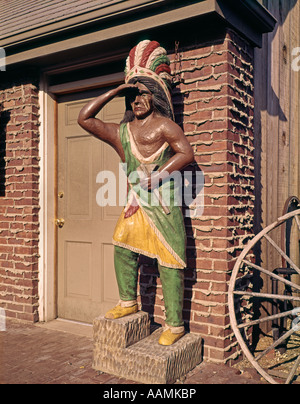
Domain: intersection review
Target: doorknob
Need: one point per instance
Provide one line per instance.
(60, 223)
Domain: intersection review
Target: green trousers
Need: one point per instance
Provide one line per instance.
(172, 280)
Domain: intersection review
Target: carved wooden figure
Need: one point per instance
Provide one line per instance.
(148, 141)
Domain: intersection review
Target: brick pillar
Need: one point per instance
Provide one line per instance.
(214, 105)
(217, 118)
(19, 199)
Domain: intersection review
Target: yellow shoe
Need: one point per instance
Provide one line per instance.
(168, 338)
(118, 312)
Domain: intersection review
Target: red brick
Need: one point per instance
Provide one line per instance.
(21, 151)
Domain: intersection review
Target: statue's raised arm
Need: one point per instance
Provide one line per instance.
(108, 132)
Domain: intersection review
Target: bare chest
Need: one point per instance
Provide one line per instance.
(147, 140)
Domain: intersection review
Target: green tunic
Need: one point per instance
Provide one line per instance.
(166, 231)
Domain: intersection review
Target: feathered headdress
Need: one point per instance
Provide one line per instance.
(149, 59)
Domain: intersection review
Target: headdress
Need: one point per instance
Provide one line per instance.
(149, 59)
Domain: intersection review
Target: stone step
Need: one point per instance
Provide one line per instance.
(126, 348)
(122, 332)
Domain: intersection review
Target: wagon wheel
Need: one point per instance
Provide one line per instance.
(241, 291)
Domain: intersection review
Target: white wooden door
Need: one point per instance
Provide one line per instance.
(86, 277)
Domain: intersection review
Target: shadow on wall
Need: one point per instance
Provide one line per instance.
(284, 7)
(270, 101)
(4, 119)
(266, 101)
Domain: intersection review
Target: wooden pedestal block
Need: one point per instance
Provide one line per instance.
(125, 348)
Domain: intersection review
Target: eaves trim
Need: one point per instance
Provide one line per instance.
(145, 21)
(110, 10)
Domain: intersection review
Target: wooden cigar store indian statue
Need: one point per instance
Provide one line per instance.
(148, 141)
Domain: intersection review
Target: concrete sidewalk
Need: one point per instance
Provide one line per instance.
(60, 352)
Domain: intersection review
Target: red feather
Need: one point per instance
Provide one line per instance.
(163, 68)
(131, 57)
(147, 52)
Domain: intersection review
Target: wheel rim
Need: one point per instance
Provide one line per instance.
(234, 292)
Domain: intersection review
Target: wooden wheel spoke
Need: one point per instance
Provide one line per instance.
(269, 318)
(282, 253)
(275, 344)
(238, 292)
(271, 274)
(266, 295)
(293, 371)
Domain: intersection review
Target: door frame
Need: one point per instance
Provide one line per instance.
(47, 288)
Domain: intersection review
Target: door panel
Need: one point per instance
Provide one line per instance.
(79, 182)
(78, 269)
(86, 278)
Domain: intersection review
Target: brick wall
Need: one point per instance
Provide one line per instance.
(19, 197)
(214, 104)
